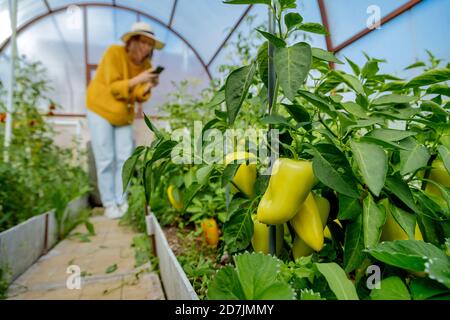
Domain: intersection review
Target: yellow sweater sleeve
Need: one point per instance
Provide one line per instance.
(114, 78)
(139, 93)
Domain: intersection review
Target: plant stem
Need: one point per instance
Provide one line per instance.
(326, 127)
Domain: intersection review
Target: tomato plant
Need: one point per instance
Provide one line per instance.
(40, 176)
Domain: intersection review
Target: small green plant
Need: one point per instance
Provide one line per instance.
(112, 268)
(142, 250)
(135, 215)
(3, 284)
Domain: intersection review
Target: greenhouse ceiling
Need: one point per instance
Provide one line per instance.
(69, 37)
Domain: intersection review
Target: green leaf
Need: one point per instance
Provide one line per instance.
(354, 244)
(390, 134)
(444, 152)
(422, 288)
(263, 63)
(163, 150)
(415, 158)
(244, 282)
(238, 230)
(392, 288)
(150, 125)
(438, 269)
(128, 170)
(349, 208)
(352, 81)
(416, 65)
(341, 286)
(325, 55)
(307, 294)
(292, 66)
(363, 124)
(397, 186)
(229, 173)
(433, 107)
(429, 77)
(428, 226)
(318, 101)
(273, 39)
(399, 114)
(332, 169)
(225, 286)
(203, 174)
(407, 254)
(441, 89)
(387, 145)
(298, 113)
(251, 268)
(90, 228)
(292, 19)
(355, 110)
(288, 4)
(370, 69)
(393, 86)
(190, 194)
(111, 268)
(393, 99)
(373, 164)
(354, 66)
(405, 220)
(373, 221)
(236, 89)
(313, 27)
(275, 119)
(218, 98)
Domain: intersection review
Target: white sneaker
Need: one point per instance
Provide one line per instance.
(124, 207)
(113, 212)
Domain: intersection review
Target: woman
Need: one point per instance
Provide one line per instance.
(124, 77)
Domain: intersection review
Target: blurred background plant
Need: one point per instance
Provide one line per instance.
(39, 176)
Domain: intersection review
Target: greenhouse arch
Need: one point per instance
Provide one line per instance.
(139, 13)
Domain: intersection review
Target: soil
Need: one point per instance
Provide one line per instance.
(173, 239)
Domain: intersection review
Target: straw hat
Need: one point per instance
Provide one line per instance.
(143, 29)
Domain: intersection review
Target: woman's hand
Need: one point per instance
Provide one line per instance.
(151, 84)
(144, 77)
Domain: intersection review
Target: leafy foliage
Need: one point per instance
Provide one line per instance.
(244, 281)
(372, 139)
(39, 175)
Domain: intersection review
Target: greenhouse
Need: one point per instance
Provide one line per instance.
(224, 150)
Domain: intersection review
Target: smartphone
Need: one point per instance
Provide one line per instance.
(158, 70)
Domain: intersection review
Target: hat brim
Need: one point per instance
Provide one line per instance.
(158, 44)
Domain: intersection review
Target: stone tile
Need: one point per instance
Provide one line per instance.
(147, 287)
(103, 290)
(46, 279)
(51, 294)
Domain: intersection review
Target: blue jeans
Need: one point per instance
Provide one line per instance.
(112, 146)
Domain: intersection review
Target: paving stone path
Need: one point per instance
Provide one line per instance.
(107, 264)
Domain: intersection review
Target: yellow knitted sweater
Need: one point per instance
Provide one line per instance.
(108, 94)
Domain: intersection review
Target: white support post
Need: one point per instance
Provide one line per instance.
(12, 78)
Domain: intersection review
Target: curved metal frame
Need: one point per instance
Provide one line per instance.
(321, 3)
(120, 7)
(394, 14)
(139, 13)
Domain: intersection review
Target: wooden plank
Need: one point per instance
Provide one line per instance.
(175, 282)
